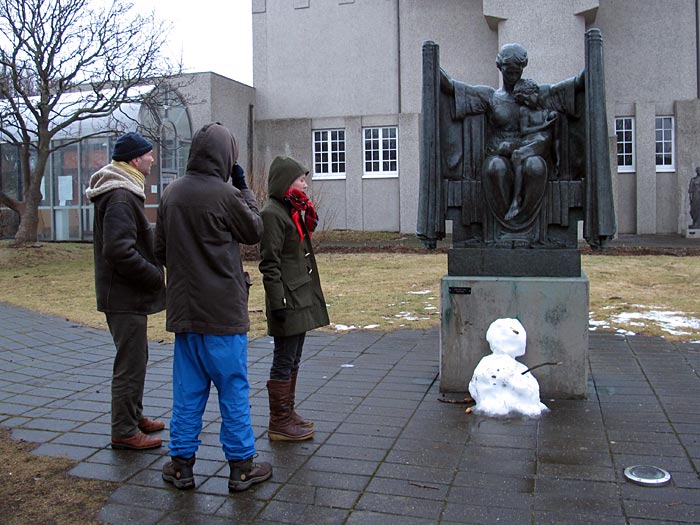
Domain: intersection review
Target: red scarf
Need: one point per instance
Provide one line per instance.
(300, 202)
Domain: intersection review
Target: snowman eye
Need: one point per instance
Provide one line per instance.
(515, 331)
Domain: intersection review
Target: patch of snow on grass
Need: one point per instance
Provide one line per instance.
(675, 323)
(343, 327)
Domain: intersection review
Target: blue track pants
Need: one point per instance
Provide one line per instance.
(202, 359)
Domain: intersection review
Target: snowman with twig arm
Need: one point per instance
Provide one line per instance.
(501, 385)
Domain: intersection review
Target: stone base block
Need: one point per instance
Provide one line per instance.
(553, 310)
(691, 233)
(514, 262)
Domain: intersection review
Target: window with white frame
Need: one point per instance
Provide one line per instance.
(664, 144)
(624, 129)
(329, 153)
(381, 149)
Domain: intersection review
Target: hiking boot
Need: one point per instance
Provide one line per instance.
(138, 441)
(150, 425)
(179, 472)
(247, 472)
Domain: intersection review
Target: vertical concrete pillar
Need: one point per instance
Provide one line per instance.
(645, 115)
(409, 133)
(353, 173)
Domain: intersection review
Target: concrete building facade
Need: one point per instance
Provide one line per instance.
(338, 86)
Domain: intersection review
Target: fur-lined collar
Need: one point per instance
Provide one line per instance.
(111, 177)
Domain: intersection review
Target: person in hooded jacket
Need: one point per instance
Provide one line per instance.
(293, 297)
(129, 283)
(202, 218)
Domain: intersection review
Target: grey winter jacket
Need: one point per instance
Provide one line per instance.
(288, 266)
(202, 219)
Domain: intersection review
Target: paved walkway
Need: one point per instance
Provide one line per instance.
(386, 450)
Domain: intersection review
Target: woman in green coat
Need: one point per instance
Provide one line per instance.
(293, 297)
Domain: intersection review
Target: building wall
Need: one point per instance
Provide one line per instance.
(325, 58)
(214, 98)
(354, 61)
(650, 63)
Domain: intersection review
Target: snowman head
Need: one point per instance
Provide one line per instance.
(507, 336)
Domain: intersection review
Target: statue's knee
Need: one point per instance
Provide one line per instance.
(535, 166)
(496, 168)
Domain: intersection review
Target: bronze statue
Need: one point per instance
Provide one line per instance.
(516, 166)
(694, 195)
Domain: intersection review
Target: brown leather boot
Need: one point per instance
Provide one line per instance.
(138, 441)
(281, 427)
(292, 395)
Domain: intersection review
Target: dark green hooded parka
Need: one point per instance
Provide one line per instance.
(288, 266)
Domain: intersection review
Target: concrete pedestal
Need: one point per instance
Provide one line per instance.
(553, 310)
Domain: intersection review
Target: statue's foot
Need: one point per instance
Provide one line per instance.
(512, 212)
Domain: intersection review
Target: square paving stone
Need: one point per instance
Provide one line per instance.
(363, 517)
(237, 509)
(582, 518)
(489, 497)
(104, 472)
(465, 512)
(341, 466)
(119, 514)
(411, 489)
(352, 482)
(64, 451)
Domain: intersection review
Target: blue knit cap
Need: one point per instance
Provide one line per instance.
(129, 146)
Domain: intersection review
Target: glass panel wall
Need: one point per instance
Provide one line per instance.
(66, 192)
(64, 212)
(95, 153)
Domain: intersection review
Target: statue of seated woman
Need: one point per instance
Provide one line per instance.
(519, 166)
(519, 130)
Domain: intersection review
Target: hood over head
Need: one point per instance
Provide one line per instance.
(283, 172)
(214, 151)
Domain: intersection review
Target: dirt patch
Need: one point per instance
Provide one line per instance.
(38, 489)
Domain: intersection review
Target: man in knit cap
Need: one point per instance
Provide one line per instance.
(129, 283)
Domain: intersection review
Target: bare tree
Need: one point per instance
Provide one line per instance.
(66, 61)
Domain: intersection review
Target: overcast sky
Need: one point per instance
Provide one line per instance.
(211, 35)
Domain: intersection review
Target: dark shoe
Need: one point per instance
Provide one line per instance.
(138, 441)
(296, 418)
(150, 425)
(179, 472)
(281, 426)
(246, 473)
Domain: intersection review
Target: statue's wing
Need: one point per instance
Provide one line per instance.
(599, 215)
(431, 198)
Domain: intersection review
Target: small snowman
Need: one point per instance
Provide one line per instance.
(501, 386)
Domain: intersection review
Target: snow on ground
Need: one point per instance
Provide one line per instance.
(671, 322)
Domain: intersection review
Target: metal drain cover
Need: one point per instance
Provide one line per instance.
(647, 475)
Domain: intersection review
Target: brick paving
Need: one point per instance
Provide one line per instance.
(386, 450)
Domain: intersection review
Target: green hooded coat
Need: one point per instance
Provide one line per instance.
(288, 266)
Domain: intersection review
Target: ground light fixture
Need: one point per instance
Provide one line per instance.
(647, 475)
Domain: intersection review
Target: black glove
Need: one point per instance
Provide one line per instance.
(238, 177)
(279, 315)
